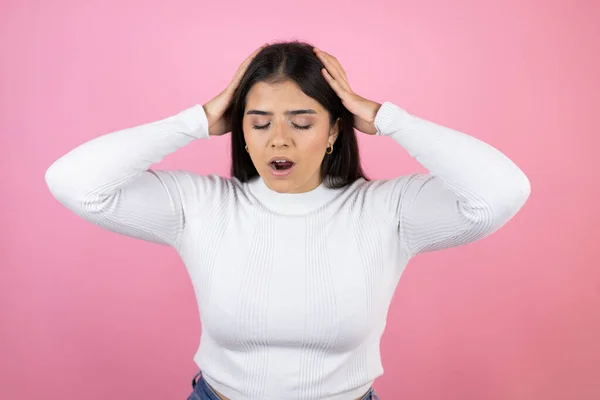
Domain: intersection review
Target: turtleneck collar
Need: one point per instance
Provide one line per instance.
(291, 203)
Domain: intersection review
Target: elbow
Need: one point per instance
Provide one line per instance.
(513, 196)
(52, 178)
(71, 188)
(521, 190)
(60, 183)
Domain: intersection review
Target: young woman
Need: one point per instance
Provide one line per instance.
(294, 259)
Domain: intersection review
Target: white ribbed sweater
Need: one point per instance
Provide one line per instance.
(293, 289)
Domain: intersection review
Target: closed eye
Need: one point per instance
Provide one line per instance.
(301, 127)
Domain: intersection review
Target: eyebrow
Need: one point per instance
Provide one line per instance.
(288, 112)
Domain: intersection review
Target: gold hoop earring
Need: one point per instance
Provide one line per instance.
(329, 149)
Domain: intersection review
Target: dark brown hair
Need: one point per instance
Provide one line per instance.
(296, 62)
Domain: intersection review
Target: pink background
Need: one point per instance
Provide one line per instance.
(89, 314)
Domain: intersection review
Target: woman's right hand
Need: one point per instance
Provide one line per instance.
(218, 123)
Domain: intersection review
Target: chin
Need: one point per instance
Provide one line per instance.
(282, 185)
(288, 183)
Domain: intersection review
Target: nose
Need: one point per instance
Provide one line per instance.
(280, 136)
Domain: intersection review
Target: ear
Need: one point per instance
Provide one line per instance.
(334, 131)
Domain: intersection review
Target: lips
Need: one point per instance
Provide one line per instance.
(281, 163)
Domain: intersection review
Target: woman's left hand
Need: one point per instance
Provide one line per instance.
(364, 110)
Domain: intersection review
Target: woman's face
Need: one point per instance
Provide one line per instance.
(287, 134)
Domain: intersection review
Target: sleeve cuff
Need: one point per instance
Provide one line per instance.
(195, 121)
(390, 119)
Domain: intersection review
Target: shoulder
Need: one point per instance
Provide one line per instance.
(385, 186)
(384, 197)
(194, 187)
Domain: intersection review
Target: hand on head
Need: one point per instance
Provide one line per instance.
(364, 110)
(215, 108)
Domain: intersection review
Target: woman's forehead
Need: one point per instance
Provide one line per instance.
(280, 98)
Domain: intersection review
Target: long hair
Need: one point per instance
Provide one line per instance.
(296, 62)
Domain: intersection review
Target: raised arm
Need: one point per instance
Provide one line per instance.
(471, 190)
(108, 180)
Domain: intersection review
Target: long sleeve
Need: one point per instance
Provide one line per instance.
(471, 190)
(108, 180)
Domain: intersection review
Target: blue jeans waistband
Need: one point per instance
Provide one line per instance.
(203, 391)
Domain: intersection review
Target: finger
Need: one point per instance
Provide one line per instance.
(334, 68)
(255, 52)
(337, 65)
(331, 66)
(334, 61)
(249, 59)
(335, 85)
(335, 74)
(237, 77)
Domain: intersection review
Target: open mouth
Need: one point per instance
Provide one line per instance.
(281, 165)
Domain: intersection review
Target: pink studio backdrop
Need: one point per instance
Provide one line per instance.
(88, 314)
